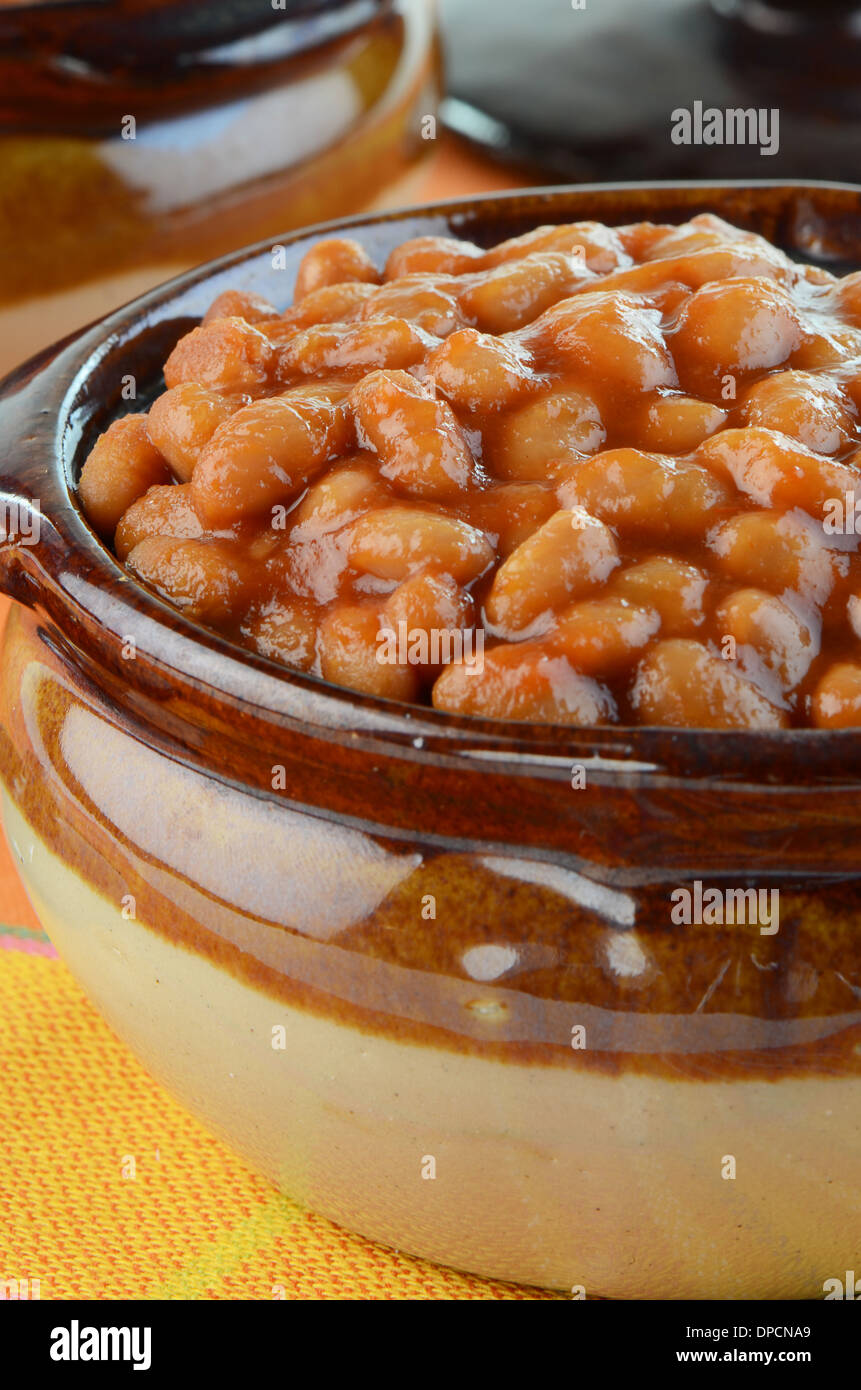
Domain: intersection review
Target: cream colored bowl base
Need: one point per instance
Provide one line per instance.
(553, 1176)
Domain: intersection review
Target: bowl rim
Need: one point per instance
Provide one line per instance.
(74, 578)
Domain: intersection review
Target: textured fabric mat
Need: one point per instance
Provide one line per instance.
(78, 1115)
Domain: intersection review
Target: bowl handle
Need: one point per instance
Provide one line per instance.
(34, 500)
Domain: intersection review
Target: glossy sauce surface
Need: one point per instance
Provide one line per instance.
(590, 475)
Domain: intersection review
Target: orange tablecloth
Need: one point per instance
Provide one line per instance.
(75, 1105)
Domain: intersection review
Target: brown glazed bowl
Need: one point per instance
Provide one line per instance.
(395, 957)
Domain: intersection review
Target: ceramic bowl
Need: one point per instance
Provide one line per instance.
(408, 965)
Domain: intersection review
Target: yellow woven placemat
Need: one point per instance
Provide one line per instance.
(193, 1222)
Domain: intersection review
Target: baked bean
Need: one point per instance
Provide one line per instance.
(238, 304)
(522, 680)
(667, 297)
(356, 348)
(650, 279)
(351, 643)
(774, 471)
(331, 262)
(807, 408)
(674, 424)
(569, 555)
(816, 275)
(673, 588)
(260, 539)
(206, 578)
(311, 566)
(777, 552)
(604, 636)
(734, 327)
(430, 609)
(165, 510)
(336, 303)
(853, 613)
(429, 301)
(422, 448)
(330, 304)
(601, 247)
(696, 269)
(535, 442)
(712, 222)
(721, 254)
(612, 336)
(340, 496)
(476, 371)
(228, 355)
(836, 700)
(283, 629)
(264, 455)
(430, 601)
(510, 512)
(784, 644)
(849, 297)
(681, 683)
(638, 238)
(850, 384)
(704, 230)
(828, 351)
(182, 420)
(394, 542)
(331, 391)
(644, 494)
(751, 259)
(515, 293)
(434, 255)
(121, 466)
